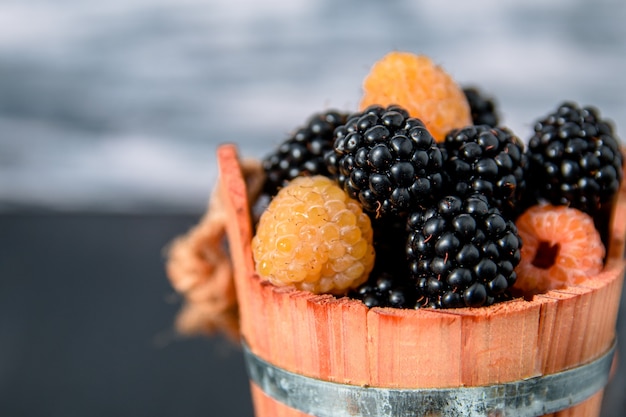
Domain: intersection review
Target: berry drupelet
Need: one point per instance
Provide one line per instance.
(303, 152)
(388, 285)
(385, 289)
(482, 108)
(462, 252)
(487, 160)
(386, 160)
(574, 159)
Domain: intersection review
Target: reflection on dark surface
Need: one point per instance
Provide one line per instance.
(86, 316)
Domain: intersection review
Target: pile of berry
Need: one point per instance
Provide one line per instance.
(422, 199)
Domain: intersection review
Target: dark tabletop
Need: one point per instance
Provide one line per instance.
(86, 325)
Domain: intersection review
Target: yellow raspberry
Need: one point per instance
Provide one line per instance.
(424, 89)
(314, 237)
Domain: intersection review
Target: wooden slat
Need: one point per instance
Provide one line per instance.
(347, 322)
(558, 317)
(282, 345)
(414, 349)
(305, 360)
(499, 343)
(239, 230)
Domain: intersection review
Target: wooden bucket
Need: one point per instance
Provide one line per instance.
(318, 355)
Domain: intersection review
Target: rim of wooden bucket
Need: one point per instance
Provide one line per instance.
(506, 344)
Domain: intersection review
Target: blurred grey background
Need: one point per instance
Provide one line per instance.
(110, 114)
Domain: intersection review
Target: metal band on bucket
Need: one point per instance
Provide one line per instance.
(525, 398)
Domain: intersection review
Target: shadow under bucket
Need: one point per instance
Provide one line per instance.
(319, 355)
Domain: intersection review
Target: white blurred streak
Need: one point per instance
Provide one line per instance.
(119, 104)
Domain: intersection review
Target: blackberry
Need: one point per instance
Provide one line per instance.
(482, 108)
(303, 152)
(574, 159)
(462, 252)
(388, 284)
(386, 160)
(386, 289)
(487, 160)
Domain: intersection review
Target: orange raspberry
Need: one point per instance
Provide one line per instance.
(561, 247)
(314, 237)
(425, 90)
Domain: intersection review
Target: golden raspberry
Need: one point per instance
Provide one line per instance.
(314, 237)
(424, 89)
